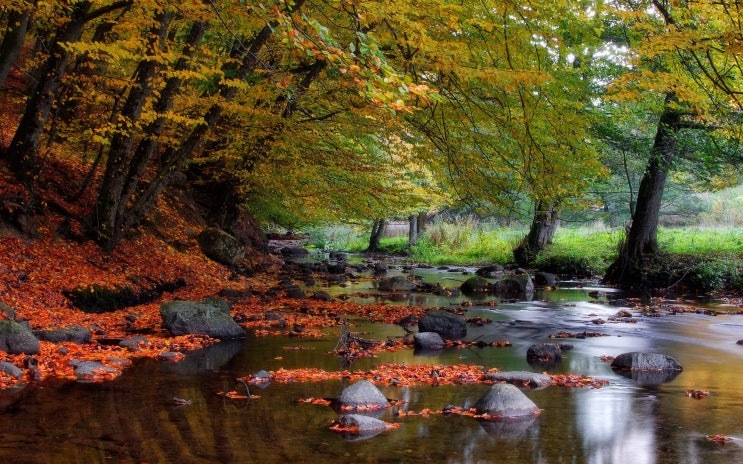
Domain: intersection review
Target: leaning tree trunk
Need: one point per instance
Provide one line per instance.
(110, 203)
(15, 35)
(542, 231)
(642, 236)
(378, 228)
(22, 153)
(174, 158)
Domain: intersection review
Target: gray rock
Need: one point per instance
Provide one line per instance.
(545, 279)
(17, 338)
(336, 268)
(495, 270)
(517, 283)
(322, 296)
(294, 251)
(449, 326)
(640, 361)
(543, 353)
(521, 378)
(88, 370)
(134, 343)
(74, 334)
(209, 317)
(506, 400)
(474, 285)
(7, 310)
(381, 268)
(362, 393)
(362, 423)
(220, 246)
(396, 284)
(428, 340)
(11, 369)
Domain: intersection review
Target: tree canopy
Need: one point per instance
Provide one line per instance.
(305, 111)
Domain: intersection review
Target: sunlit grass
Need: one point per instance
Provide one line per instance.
(705, 240)
(713, 254)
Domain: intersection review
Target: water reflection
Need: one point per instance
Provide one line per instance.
(133, 419)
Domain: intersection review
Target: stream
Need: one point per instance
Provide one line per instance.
(135, 420)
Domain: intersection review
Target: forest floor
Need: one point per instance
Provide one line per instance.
(49, 259)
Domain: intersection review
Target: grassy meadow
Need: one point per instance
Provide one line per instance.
(711, 255)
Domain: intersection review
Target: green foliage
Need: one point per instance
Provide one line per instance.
(718, 273)
(465, 241)
(699, 240)
(338, 237)
(582, 252)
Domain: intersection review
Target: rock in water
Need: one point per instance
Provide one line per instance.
(362, 394)
(208, 317)
(449, 326)
(506, 400)
(640, 361)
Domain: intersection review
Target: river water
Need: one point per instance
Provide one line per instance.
(134, 419)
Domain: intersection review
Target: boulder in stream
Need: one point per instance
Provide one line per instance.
(449, 326)
(474, 284)
(362, 394)
(521, 378)
(208, 317)
(646, 362)
(428, 341)
(396, 284)
(506, 401)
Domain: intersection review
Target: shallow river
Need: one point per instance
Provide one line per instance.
(134, 419)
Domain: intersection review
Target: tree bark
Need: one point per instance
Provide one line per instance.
(642, 237)
(111, 203)
(541, 232)
(377, 232)
(12, 43)
(22, 154)
(413, 230)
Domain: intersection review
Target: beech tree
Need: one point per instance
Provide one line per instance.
(685, 52)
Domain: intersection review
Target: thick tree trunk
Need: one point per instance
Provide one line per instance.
(642, 236)
(22, 153)
(173, 159)
(377, 232)
(110, 203)
(412, 230)
(542, 231)
(23, 150)
(422, 222)
(13, 40)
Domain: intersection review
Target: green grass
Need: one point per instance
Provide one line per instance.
(711, 256)
(701, 240)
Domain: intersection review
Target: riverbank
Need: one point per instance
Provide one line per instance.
(693, 260)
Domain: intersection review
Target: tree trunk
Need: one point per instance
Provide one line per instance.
(422, 222)
(642, 236)
(377, 232)
(22, 153)
(173, 159)
(542, 231)
(12, 43)
(23, 150)
(413, 230)
(110, 204)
